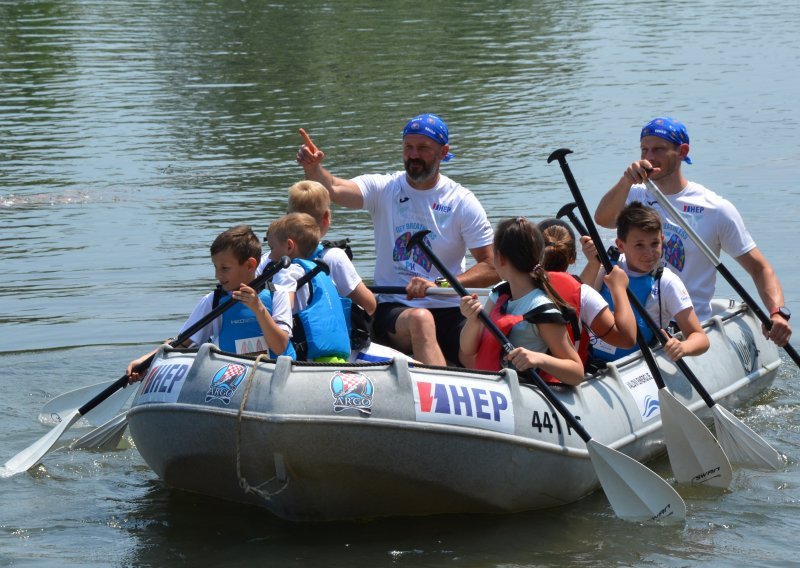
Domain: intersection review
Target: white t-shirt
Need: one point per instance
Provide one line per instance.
(525, 334)
(451, 212)
(674, 299)
(592, 303)
(718, 224)
(343, 273)
(281, 314)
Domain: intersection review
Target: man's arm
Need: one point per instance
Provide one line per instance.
(342, 191)
(482, 274)
(612, 203)
(614, 199)
(769, 288)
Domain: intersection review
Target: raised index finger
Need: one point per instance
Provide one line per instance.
(307, 139)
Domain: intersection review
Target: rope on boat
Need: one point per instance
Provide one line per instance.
(243, 483)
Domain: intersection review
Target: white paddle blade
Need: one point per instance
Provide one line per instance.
(742, 445)
(105, 438)
(694, 454)
(635, 492)
(65, 404)
(31, 455)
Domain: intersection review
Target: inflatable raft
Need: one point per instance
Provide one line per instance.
(313, 442)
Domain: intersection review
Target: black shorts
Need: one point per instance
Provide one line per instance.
(449, 322)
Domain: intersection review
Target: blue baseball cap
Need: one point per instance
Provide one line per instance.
(669, 129)
(431, 126)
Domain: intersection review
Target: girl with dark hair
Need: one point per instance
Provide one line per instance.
(525, 307)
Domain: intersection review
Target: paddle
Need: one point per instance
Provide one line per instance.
(695, 455)
(432, 291)
(714, 259)
(64, 404)
(568, 210)
(740, 443)
(33, 453)
(635, 492)
(104, 438)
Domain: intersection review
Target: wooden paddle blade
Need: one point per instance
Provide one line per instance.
(694, 454)
(105, 438)
(65, 404)
(635, 492)
(742, 445)
(31, 455)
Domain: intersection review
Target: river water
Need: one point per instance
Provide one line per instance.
(131, 133)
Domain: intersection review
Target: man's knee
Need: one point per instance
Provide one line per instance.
(418, 321)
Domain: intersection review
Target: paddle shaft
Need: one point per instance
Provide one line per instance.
(432, 291)
(567, 210)
(598, 243)
(714, 259)
(257, 284)
(507, 346)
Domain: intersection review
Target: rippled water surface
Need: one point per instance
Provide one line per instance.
(131, 133)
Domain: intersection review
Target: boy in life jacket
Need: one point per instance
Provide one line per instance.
(617, 328)
(311, 197)
(525, 307)
(315, 302)
(660, 291)
(260, 321)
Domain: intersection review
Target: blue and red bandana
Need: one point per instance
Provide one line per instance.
(431, 126)
(669, 129)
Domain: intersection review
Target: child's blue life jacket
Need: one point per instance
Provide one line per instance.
(642, 288)
(323, 329)
(357, 319)
(240, 332)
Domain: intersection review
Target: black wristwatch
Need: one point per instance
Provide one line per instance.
(782, 311)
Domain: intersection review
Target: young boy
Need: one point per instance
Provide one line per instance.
(659, 290)
(258, 322)
(315, 304)
(311, 197)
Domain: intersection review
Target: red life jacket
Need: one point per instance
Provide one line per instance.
(569, 288)
(490, 351)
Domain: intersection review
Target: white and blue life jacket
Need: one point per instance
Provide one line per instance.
(642, 288)
(240, 332)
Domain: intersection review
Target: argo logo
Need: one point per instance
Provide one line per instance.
(225, 382)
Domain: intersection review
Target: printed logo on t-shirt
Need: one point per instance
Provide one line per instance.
(674, 253)
(693, 209)
(439, 208)
(404, 199)
(401, 253)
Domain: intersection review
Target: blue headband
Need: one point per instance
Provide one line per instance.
(669, 129)
(431, 126)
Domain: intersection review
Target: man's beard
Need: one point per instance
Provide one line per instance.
(422, 172)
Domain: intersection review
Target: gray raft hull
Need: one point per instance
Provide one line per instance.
(326, 442)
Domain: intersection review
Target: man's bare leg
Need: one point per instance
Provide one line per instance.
(415, 330)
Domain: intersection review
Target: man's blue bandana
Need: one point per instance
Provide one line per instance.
(431, 126)
(669, 129)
